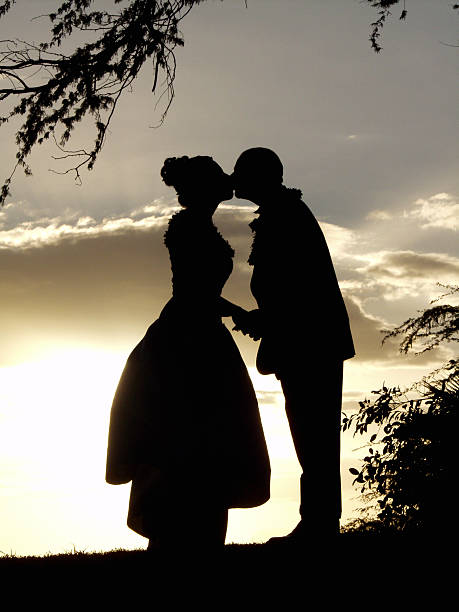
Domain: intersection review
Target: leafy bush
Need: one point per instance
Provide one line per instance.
(407, 478)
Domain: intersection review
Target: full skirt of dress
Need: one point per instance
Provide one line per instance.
(185, 426)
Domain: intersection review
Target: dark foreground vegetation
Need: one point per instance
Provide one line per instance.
(349, 545)
(354, 567)
(408, 479)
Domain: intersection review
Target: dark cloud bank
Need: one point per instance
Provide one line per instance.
(105, 290)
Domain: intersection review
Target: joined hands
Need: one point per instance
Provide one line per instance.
(246, 321)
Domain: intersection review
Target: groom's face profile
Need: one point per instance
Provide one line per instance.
(257, 172)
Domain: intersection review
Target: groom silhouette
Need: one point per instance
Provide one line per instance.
(304, 329)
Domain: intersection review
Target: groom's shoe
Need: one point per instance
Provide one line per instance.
(306, 533)
(298, 536)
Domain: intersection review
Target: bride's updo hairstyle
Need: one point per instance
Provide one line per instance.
(189, 175)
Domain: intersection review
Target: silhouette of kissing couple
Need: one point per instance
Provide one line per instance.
(185, 426)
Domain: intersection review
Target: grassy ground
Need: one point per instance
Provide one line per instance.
(351, 546)
(352, 568)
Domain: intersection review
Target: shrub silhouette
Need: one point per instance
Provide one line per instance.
(407, 478)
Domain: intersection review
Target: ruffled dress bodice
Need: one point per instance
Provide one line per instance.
(201, 263)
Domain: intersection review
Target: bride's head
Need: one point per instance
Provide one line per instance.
(199, 181)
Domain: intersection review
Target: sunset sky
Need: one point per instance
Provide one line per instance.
(370, 139)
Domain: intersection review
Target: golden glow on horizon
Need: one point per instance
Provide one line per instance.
(54, 422)
(54, 415)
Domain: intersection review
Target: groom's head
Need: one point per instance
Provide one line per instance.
(257, 173)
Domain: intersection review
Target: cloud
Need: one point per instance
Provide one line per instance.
(103, 289)
(270, 397)
(45, 230)
(340, 240)
(99, 282)
(76, 277)
(440, 210)
(51, 231)
(406, 279)
(231, 218)
(379, 215)
(367, 332)
(394, 266)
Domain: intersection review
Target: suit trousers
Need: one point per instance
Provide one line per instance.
(313, 398)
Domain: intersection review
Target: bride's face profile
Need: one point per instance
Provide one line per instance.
(200, 183)
(208, 190)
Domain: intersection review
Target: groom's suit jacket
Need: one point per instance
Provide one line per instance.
(302, 313)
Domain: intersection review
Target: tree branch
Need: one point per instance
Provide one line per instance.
(90, 81)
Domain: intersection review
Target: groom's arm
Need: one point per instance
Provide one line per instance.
(248, 322)
(229, 309)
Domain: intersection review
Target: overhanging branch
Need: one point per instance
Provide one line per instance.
(63, 89)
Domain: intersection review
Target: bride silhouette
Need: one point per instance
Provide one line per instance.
(184, 425)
